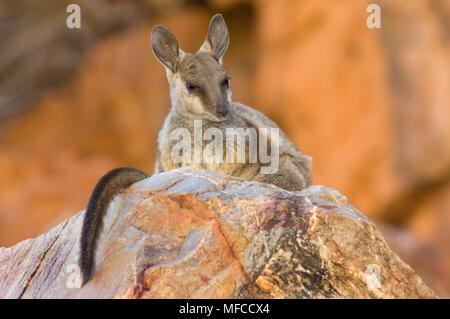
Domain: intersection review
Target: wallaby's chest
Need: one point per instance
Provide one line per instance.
(222, 147)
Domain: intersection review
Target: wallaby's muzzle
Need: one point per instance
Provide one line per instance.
(222, 110)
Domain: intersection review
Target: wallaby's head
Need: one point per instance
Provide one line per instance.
(199, 85)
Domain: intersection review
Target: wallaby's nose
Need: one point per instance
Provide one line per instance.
(222, 110)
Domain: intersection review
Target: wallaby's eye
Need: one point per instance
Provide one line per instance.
(190, 86)
(226, 82)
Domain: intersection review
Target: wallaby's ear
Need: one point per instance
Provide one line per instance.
(217, 40)
(165, 47)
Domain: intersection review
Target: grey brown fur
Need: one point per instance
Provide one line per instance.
(199, 90)
(207, 103)
(107, 187)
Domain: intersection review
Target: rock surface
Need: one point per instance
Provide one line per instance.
(196, 234)
(370, 106)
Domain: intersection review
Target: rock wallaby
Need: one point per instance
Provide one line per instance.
(201, 100)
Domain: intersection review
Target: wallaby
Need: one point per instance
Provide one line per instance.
(200, 91)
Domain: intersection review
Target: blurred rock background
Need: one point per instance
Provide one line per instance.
(371, 106)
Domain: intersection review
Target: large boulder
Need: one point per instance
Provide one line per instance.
(197, 234)
(369, 105)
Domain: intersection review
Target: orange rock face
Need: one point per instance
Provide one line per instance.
(196, 234)
(369, 105)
